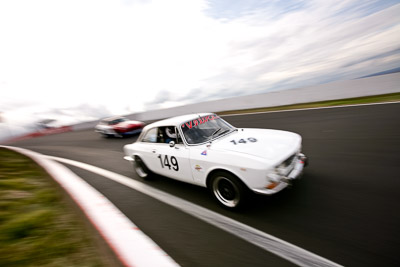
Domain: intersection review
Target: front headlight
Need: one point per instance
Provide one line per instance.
(274, 177)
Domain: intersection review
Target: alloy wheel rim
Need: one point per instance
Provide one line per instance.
(139, 169)
(226, 191)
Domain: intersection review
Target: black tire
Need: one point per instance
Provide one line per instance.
(141, 169)
(228, 190)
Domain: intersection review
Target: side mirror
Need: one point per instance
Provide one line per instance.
(172, 144)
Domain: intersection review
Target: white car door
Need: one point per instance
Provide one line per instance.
(173, 161)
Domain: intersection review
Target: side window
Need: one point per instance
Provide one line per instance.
(150, 136)
(162, 135)
(171, 134)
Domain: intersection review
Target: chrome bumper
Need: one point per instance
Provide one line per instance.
(128, 158)
(284, 181)
(302, 161)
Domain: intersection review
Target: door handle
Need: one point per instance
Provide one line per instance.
(154, 151)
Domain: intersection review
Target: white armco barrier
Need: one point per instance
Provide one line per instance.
(377, 85)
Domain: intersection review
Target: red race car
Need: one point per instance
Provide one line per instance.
(118, 127)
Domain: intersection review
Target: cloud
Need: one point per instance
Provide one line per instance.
(84, 59)
(382, 56)
(311, 44)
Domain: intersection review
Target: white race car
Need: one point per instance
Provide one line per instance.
(205, 150)
(118, 127)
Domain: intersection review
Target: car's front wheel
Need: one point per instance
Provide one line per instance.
(141, 169)
(228, 190)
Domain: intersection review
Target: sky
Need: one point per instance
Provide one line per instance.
(75, 61)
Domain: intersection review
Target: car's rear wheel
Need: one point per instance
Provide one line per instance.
(141, 169)
(228, 190)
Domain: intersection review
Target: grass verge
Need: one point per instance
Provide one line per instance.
(349, 101)
(37, 226)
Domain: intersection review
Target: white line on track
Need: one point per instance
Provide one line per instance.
(303, 109)
(256, 237)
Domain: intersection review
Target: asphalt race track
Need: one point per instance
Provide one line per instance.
(345, 208)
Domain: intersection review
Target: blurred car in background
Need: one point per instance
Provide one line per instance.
(118, 127)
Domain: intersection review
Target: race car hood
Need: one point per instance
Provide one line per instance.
(272, 145)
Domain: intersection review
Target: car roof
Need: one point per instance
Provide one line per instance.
(176, 121)
(113, 118)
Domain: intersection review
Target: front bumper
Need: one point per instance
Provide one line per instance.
(132, 132)
(128, 158)
(284, 181)
(302, 162)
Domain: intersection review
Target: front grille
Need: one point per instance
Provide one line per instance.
(286, 166)
(289, 160)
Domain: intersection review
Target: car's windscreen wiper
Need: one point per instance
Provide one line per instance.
(225, 131)
(215, 132)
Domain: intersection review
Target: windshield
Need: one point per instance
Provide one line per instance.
(205, 129)
(116, 121)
